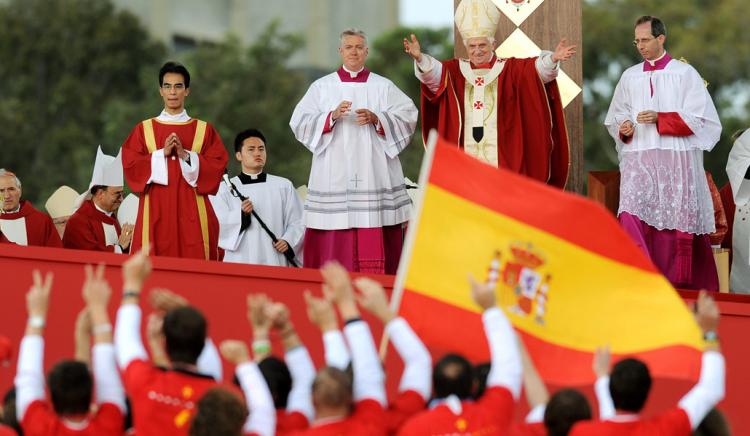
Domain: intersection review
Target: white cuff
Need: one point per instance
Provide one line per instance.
(159, 172)
(190, 171)
(536, 414)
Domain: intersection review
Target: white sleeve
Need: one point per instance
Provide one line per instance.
(368, 371)
(29, 373)
(546, 68)
(698, 112)
(536, 414)
(303, 373)
(398, 120)
(262, 417)
(107, 383)
(619, 111)
(190, 171)
(294, 224)
(308, 121)
(228, 210)
(737, 165)
(336, 352)
(506, 369)
(128, 342)
(603, 397)
(429, 71)
(209, 361)
(159, 172)
(708, 391)
(417, 375)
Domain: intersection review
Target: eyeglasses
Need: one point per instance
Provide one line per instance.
(644, 41)
(176, 86)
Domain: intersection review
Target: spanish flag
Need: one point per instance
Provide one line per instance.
(569, 279)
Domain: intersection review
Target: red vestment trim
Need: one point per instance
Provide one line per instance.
(672, 124)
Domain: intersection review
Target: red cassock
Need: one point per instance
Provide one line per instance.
(40, 231)
(532, 138)
(672, 422)
(175, 219)
(84, 230)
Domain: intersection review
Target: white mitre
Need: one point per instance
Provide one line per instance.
(107, 172)
(477, 19)
(62, 202)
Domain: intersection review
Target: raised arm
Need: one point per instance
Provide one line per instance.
(30, 370)
(428, 70)
(320, 311)
(601, 366)
(710, 387)
(417, 375)
(128, 342)
(537, 394)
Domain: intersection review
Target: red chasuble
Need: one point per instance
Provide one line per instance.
(175, 219)
(84, 230)
(532, 138)
(40, 231)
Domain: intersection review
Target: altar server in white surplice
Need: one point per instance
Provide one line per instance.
(355, 123)
(738, 170)
(662, 120)
(273, 198)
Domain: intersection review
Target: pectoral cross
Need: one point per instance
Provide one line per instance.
(356, 181)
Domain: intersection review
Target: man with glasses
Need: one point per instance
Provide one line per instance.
(662, 119)
(174, 162)
(94, 225)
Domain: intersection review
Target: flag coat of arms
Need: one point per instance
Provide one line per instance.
(568, 278)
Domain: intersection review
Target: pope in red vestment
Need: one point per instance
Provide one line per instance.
(174, 162)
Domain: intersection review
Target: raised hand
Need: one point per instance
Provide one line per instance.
(412, 47)
(135, 270)
(706, 313)
(257, 314)
(37, 299)
(372, 297)
(320, 312)
(165, 300)
(563, 52)
(234, 351)
(601, 362)
(96, 290)
(482, 294)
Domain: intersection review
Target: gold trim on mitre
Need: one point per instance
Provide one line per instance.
(477, 19)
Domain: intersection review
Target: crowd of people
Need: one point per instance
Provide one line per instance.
(114, 387)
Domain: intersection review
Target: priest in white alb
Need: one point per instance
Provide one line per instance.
(94, 225)
(20, 222)
(738, 170)
(662, 119)
(273, 199)
(355, 123)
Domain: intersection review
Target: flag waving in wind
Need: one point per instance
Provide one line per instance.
(566, 274)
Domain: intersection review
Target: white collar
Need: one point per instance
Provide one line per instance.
(169, 118)
(75, 425)
(16, 210)
(452, 402)
(652, 63)
(353, 74)
(328, 420)
(100, 209)
(625, 417)
(253, 176)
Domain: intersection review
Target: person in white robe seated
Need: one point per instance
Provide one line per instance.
(738, 170)
(355, 123)
(20, 222)
(273, 199)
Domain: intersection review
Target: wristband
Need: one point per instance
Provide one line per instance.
(261, 346)
(36, 322)
(711, 336)
(126, 294)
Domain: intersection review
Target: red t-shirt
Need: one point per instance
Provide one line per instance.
(287, 423)
(368, 418)
(528, 429)
(7, 431)
(163, 401)
(489, 416)
(673, 422)
(406, 405)
(40, 419)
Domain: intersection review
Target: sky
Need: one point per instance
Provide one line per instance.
(429, 13)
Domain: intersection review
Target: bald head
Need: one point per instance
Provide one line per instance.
(332, 389)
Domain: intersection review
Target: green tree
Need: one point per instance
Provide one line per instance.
(66, 64)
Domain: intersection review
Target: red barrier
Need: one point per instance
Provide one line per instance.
(219, 290)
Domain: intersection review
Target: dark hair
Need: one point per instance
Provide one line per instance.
(96, 188)
(243, 135)
(481, 372)
(70, 385)
(453, 375)
(278, 378)
(714, 424)
(657, 26)
(9, 411)
(219, 412)
(564, 409)
(332, 387)
(629, 385)
(185, 334)
(176, 68)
